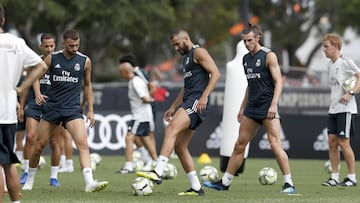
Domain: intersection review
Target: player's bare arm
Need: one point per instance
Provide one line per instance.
(274, 67)
(88, 91)
(202, 57)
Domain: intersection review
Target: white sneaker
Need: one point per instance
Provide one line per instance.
(66, 169)
(96, 186)
(28, 185)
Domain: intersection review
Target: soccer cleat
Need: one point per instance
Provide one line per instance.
(124, 171)
(66, 169)
(28, 185)
(96, 186)
(348, 183)
(287, 188)
(218, 185)
(23, 178)
(54, 182)
(192, 192)
(330, 182)
(152, 175)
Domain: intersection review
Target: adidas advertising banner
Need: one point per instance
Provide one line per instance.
(303, 112)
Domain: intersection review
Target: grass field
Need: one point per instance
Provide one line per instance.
(307, 175)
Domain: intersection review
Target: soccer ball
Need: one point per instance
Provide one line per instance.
(209, 173)
(267, 176)
(42, 162)
(349, 84)
(170, 171)
(95, 160)
(327, 167)
(141, 186)
(138, 165)
(136, 155)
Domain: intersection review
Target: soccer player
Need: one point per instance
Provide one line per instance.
(259, 107)
(69, 70)
(142, 117)
(188, 110)
(14, 55)
(36, 97)
(129, 59)
(342, 110)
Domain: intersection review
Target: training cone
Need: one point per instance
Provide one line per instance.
(204, 159)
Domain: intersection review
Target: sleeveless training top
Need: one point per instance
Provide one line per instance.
(66, 77)
(260, 83)
(196, 78)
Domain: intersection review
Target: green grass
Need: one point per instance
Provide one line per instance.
(307, 176)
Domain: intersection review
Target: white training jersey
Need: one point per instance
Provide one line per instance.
(14, 55)
(140, 111)
(341, 70)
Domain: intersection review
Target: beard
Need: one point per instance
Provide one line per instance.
(184, 50)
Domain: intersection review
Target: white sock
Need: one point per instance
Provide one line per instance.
(335, 176)
(20, 155)
(227, 179)
(54, 172)
(31, 174)
(62, 160)
(352, 177)
(4, 178)
(129, 165)
(160, 165)
(145, 156)
(287, 179)
(26, 165)
(194, 180)
(88, 175)
(69, 163)
(17, 201)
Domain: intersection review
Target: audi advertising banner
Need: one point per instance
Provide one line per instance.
(303, 112)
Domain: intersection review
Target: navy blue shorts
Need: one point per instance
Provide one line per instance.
(21, 126)
(34, 111)
(257, 117)
(57, 117)
(139, 128)
(342, 124)
(7, 139)
(195, 118)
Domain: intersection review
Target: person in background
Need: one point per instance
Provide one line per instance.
(33, 108)
(130, 59)
(342, 110)
(142, 116)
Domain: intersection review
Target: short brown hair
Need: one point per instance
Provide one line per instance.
(334, 39)
(72, 34)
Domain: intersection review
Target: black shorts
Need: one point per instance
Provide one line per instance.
(34, 111)
(342, 124)
(195, 118)
(139, 128)
(7, 139)
(57, 117)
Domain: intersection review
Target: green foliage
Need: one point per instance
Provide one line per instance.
(110, 28)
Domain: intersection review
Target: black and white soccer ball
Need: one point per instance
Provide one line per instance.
(209, 173)
(267, 176)
(142, 186)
